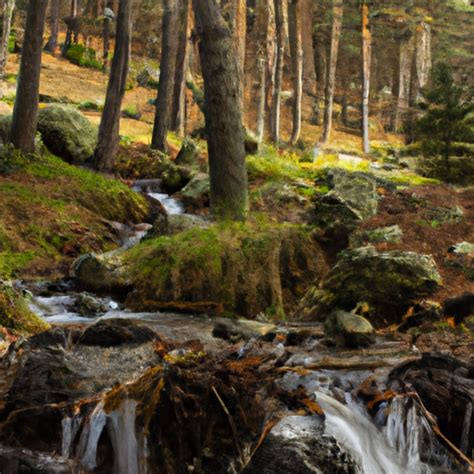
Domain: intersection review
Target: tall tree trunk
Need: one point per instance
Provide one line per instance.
(178, 112)
(223, 112)
(54, 26)
(69, 31)
(108, 141)
(366, 61)
(25, 112)
(309, 71)
(169, 49)
(6, 28)
(106, 42)
(236, 13)
(337, 12)
(261, 68)
(296, 52)
(280, 58)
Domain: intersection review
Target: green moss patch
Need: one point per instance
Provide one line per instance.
(51, 212)
(249, 269)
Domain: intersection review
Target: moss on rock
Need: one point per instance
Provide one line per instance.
(249, 269)
(67, 133)
(15, 314)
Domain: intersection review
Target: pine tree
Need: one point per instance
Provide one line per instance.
(447, 106)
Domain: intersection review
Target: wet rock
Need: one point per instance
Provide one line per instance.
(350, 329)
(297, 445)
(237, 330)
(386, 281)
(446, 388)
(100, 274)
(89, 306)
(67, 133)
(188, 155)
(116, 332)
(57, 336)
(20, 460)
(195, 194)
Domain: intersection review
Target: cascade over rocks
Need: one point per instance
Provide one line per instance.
(386, 281)
(446, 388)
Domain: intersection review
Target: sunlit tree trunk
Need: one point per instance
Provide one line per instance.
(366, 61)
(6, 28)
(280, 58)
(223, 112)
(69, 31)
(25, 111)
(169, 49)
(108, 142)
(309, 73)
(53, 26)
(337, 12)
(178, 112)
(296, 52)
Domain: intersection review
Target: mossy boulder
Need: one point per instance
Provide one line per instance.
(350, 329)
(188, 154)
(14, 312)
(196, 193)
(248, 269)
(101, 273)
(391, 235)
(67, 133)
(386, 282)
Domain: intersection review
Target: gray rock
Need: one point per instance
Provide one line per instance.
(392, 234)
(297, 445)
(350, 329)
(189, 153)
(67, 133)
(195, 194)
(387, 282)
(89, 306)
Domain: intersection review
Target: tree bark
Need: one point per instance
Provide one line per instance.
(309, 71)
(106, 43)
(337, 12)
(108, 141)
(169, 49)
(178, 113)
(25, 112)
(223, 113)
(236, 13)
(296, 52)
(280, 57)
(54, 26)
(69, 32)
(6, 28)
(366, 62)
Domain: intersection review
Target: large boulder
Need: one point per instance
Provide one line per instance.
(100, 274)
(386, 282)
(352, 198)
(247, 270)
(188, 155)
(350, 329)
(195, 194)
(67, 133)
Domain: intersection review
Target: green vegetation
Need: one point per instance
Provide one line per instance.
(81, 56)
(51, 212)
(15, 314)
(447, 107)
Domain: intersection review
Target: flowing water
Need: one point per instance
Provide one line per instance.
(152, 187)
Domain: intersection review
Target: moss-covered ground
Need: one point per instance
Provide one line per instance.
(52, 212)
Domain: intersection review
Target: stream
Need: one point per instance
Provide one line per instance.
(95, 432)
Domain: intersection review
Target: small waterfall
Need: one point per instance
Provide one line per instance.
(71, 426)
(121, 428)
(172, 206)
(87, 450)
(130, 453)
(367, 444)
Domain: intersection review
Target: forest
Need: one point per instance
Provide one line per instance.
(236, 236)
